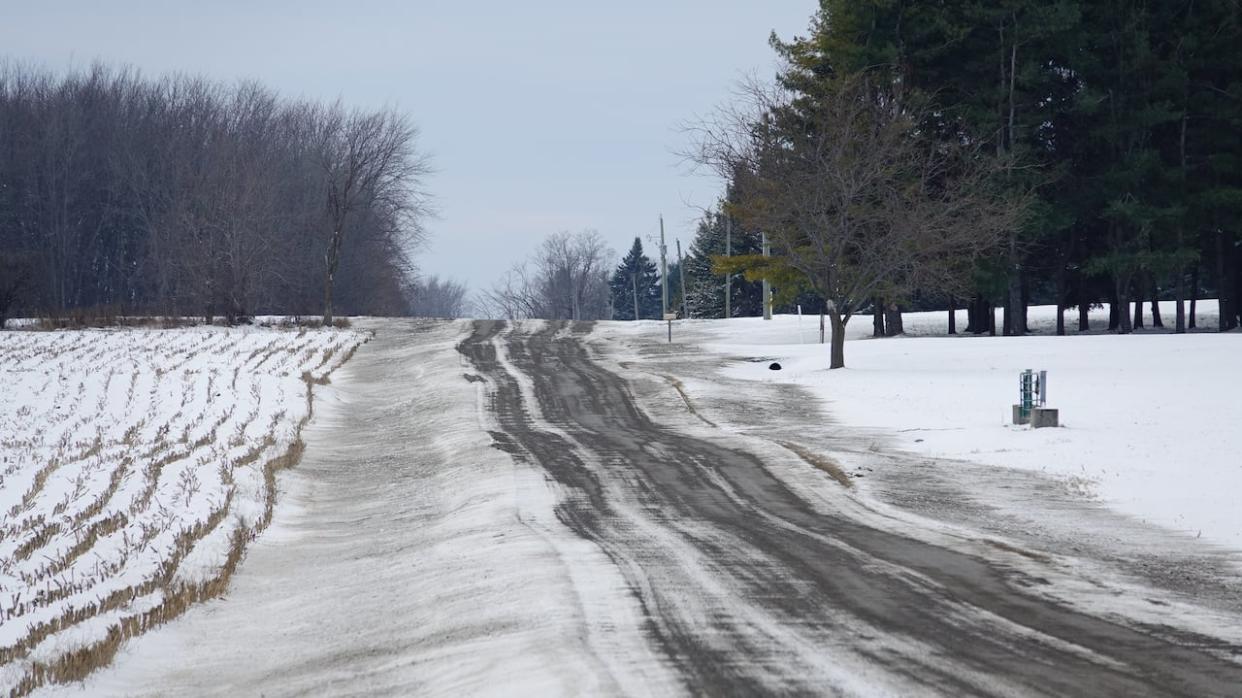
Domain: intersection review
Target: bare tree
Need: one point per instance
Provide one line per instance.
(852, 197)
(185, 196)
(433, 297)
(565, 279)
(369, 166)
(14, 278)
(571, 269)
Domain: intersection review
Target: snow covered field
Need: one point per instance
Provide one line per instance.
(408, 556)
(135, 466)
(1152, 423)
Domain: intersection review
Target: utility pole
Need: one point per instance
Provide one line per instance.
(663, 268)
(728, 277)
(634, 278)
(681, 270)
(767, 287)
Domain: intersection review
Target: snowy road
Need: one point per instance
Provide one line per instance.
(749, 589)
(490, 508)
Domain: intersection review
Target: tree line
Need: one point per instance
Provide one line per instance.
(916, 155)
(186, 197)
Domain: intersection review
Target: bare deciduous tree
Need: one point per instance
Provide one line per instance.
(565, 279)
(433, 297)
(852, 197)
(369, 167)
(184, 196)
(14, 277)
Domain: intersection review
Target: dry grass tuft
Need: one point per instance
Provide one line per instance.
(828, 466)
(309, 379)
(1028, 554)
(681, 390)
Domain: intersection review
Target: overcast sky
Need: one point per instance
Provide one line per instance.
(539, 116)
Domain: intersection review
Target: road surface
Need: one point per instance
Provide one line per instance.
(748, 589)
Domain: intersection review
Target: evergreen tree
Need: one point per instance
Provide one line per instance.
(1123, 116)
(705, 288)
(998, 73)
(635, 271)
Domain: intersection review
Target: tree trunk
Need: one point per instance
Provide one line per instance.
(1084, 307)
(1025, 304)
(1138, 312)
(952, 315)
(991, 311)
(838, 340)
(332, 260)
(634, 277)
(877, 319)
(327, 299)
(1060, 279)
(892, 321)
(1237, 287)
(1231, 284)
(1013, 308)
(1223, 310)
(1114, 316)
(972, 316)
(1179, 322)
(1194, 295)
(1156, 320)
(1123, 305)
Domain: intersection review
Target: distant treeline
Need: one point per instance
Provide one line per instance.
(183, 196)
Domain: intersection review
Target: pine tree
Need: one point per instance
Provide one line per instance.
(635, 271)
(705, 288)
(1122, 116)
(998, 74)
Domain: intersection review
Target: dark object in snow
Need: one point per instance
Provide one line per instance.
(774, 366)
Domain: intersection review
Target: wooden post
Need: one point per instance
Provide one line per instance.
(681, 270)
(767, 287)
(728, 310)
(664, 273)
(634, 276)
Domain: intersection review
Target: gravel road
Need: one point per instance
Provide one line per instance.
(748, 589)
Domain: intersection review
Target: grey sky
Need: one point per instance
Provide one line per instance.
(540, 116)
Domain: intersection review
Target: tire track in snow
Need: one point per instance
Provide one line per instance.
(750, 590)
